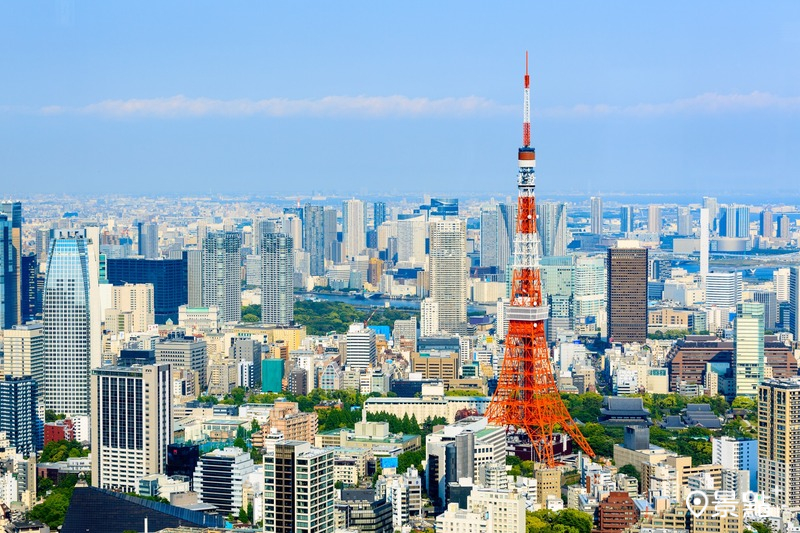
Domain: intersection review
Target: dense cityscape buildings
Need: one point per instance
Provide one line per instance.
(391, 361)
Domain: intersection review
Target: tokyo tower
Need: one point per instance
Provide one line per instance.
(526, 396)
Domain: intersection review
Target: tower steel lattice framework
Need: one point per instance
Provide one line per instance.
(526, 396)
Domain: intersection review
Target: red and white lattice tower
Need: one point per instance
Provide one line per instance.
(526, 396)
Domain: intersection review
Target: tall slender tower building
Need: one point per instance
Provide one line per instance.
(448, 272)
(277, 279)
(778, 448)
(551, 224)
(354, 227)
(527, 396)
(71, 320)
(148, 240)
(314, 238)
(626, 219)
(222, 274)
(13, 265)
(654, 219)
(596, 214)
(748, 348)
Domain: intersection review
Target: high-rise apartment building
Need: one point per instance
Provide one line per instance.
(654, 219)
(411, 234)
(627, 294)
(277, 279)
(737, 454)
(18, 414)
(71, 320)
(11, 262)
(765, 226)
(626, 219)
(558, 274)
(314, 238)
(712, 205)
(222, 274)
(784, 227)
(298, 489)
(778, 446)
(193, 261)
(354, 227)
(723, 289)
(131, 424)
(551, 225)
(780, 279)
(219, 479)
(770, 302)
(448, 272)
(361, 347)
(596, 215)
(748, 352)
(137, 300)
(167, 276)
(148, 240)
(684, 222)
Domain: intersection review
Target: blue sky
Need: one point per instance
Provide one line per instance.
(415, 97)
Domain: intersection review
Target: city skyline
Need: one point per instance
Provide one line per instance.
(229, 101)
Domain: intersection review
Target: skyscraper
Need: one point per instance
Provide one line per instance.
(734, 221)
(770, 301)
(25, 352)
(589, 286)
(131, 424)
(219, 479)
(784, 227)
(626, 219)
(748, 348)
(778, 447)
(497, 235)
(794, 301)
(222, 275)
(7, 311)
(194, 277)
(551, 224)
(12, 264)
(298, 489)
(354, 227)
(71, 320)
(627, 294)
(148, 240)
(596, 215)
(705, 229)
(314, 238)
(448, 272)
(277, 279)
(378, 214)
(684, 221)
(18, 414)
(331, 232)
(712, 205)
(411, 239)
(654, 219)
(765, 227)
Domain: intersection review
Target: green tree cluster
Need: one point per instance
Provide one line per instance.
(563, 521)
(251, 313)
(669, 334)
(54, 508)
(584, 407)
(321, 318)
(61, 450)
(694, 442)
(464, 393)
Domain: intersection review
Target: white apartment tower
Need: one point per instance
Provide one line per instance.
(24, 353)
(222, 274)
(361, 347)
(277, 279)
(448, 272)
(354, 227)
(131, 424)
(71, 320)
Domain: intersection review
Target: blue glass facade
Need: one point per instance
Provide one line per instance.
(168, 276)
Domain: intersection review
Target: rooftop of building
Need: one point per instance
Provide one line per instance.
(782, 383)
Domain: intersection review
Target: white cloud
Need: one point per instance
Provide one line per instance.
(341, 106)
(707, 103)
(407, 107)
